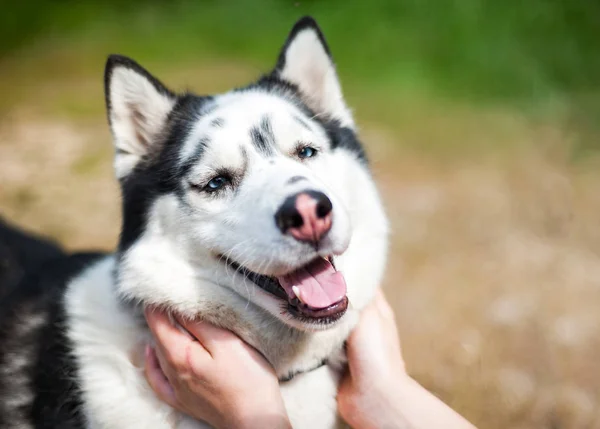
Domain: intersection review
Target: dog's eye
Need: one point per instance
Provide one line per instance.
(306, 152)
(216, 183)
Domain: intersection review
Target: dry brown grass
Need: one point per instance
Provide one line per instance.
(494, 269)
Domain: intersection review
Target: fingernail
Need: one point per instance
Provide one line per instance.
(148, 351)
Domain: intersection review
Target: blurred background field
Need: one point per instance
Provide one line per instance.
(482, 121)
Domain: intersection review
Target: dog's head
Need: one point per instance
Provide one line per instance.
(242, 189)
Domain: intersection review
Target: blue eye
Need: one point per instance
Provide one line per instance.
(216, 183)
(306, 152)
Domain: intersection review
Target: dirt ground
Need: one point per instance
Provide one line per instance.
(494, 268)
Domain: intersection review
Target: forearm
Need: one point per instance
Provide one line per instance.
(414, 407)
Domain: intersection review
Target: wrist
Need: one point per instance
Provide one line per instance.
(273, 420)
(391, 385)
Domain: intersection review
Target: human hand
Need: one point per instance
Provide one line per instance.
(377, 392)
(212, 375)
(376, 367)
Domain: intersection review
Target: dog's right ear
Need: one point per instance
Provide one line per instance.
(306, 62)
(138, 106)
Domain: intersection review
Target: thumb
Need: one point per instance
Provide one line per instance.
(361, 340)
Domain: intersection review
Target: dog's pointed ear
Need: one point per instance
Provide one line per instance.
(138, 106)
(306, 62)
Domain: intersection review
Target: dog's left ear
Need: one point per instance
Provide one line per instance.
(138, 106)
(306, 62)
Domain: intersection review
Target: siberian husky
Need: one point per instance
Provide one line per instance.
(254, 210)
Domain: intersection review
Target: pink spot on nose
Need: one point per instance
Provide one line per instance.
(314, 224)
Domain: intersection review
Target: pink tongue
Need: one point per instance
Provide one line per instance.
(319, 284)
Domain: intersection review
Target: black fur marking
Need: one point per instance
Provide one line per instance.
(51, 371)
(273, 84)
(296, 179)
(262, 137)
(21, 253)
(344, 138)
(217, 122)
(259, 141)
(304, 23)
(56, 371)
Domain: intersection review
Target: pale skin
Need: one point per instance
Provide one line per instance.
(218, 378)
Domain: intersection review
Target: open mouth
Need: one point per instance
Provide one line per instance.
(315, 292)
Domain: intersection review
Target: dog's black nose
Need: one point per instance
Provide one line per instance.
(306, 215)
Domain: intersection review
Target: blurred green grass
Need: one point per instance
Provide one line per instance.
(479, 48)
(540, 56)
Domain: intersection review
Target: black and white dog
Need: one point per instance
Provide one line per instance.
(252, 209)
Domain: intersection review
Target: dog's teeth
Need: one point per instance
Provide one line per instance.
(296, 291)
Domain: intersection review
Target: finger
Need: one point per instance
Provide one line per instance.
(353, 350)
(345, 395)
(176, 346)
(365, 336)
(220, 342)
(158, 380)
(178, 378)
(212, 338)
